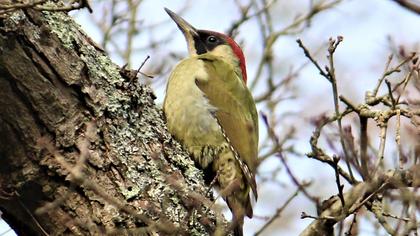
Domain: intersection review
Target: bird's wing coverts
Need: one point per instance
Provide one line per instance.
(236, 112)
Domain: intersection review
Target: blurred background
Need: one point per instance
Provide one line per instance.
(291, 94)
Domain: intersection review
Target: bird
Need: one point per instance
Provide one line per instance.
(211, 112)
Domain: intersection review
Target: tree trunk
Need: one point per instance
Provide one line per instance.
(83, 148)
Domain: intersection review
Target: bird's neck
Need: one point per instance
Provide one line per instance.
(226, 54)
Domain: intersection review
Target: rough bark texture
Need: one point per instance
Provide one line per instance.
(63, 100)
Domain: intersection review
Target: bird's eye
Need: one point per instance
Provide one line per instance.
(212, 39)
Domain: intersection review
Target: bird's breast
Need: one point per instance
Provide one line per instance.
(190, 116)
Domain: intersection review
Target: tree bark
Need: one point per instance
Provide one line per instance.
(83, 148)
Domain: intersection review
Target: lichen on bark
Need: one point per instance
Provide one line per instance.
(57, 85)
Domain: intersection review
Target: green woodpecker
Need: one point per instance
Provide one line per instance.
(210, 110)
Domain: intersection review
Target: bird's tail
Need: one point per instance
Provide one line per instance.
(239, 209)
(235, 191)
(238, 230)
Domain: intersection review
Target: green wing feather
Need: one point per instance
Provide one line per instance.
(236, 112)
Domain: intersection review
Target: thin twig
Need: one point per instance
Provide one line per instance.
(308, 55)
(332, 78)
(141, 66)
(353, 222)
(364, 161)
(337, 180)
(278, 213)
(409, 5)
(381, 151)
(301, 187)
(377, 210)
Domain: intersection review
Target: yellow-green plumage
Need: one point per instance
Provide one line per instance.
(210, 111)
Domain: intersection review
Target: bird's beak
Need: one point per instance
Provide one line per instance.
(188, 30)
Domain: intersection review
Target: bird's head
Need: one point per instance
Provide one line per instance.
(205, 41)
